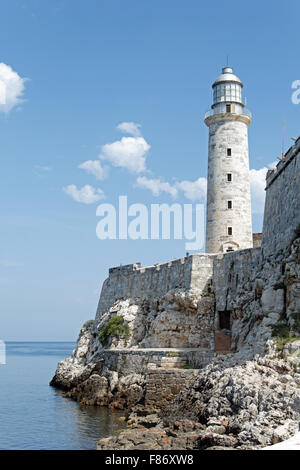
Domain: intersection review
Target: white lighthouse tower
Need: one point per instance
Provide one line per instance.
(228, 215)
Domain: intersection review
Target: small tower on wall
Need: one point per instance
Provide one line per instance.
(228, 212)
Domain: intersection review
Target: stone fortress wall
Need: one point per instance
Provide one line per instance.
(282, 207)
(188, 313)
(136, 282)
(230, 278)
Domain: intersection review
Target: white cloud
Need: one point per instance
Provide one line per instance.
(156, 186)
(129, 152)
(87, 194)
(130, 128)
(95, 168)
(258, 194)
(258, 184)
(196, 190)
(11, 88)
(193, 190)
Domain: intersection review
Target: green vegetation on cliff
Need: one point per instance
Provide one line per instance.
(115, 327)
(282, 336)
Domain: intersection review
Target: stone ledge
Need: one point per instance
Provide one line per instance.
(130, 361)
(282, 164)
(149, 350)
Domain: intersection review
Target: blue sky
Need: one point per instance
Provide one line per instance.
(89, 67)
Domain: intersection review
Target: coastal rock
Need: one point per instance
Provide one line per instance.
(241, 406)
(285, 431)
(137, 439)
(242, 398)
(83, 362)
(251, 396)
(292, 348)
(109, 390)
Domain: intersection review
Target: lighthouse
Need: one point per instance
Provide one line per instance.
(228, 210)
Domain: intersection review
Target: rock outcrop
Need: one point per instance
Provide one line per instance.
(228, 405)
(262, 294)
(108, 389)
(83, 361)
(246, 398)
(204, 350)
(178, 319)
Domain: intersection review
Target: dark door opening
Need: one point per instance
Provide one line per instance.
(224, 320)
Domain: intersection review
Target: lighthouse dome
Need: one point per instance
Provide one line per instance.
(227, 75)
(227, 87)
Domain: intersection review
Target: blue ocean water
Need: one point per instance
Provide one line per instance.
(34, 415)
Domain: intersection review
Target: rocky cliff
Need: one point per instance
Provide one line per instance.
(226, 406)
(203, 350)
(162, 344)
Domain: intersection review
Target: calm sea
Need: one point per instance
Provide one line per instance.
(36, 416)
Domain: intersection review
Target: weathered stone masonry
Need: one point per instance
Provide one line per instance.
(125, 361)
(188, 311)
(282, 207)
(224, 280)
(228, 215)
(136, 282)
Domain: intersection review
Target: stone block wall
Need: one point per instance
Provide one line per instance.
(257, 239)
(136, 282)
(162, 385)
(222, 342)
(125, 361)
(234, 287)
(282, 207)
(177, 304)
(232, 272)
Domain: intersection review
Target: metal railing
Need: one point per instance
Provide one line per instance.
(212, 112)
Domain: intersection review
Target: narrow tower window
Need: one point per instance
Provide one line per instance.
(228, 108)
(229, 152)
(229, 177)
(229, 230)
(229, 204)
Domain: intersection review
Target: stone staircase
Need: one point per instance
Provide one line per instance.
(173, 361)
